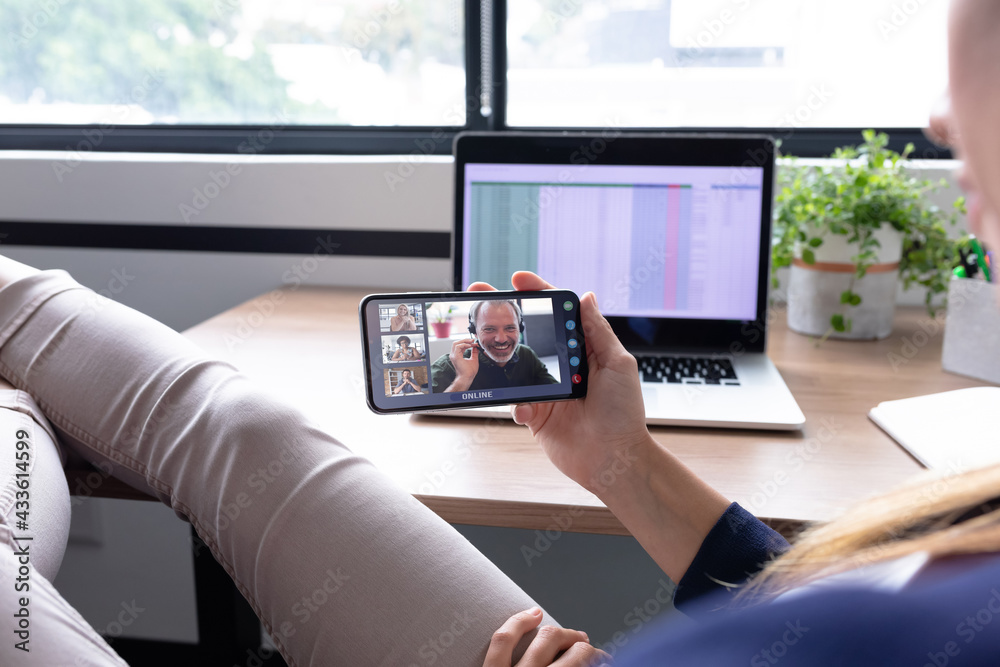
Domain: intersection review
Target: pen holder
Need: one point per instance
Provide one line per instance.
(972, 330)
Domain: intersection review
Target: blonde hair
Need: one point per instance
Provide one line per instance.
(941, 515)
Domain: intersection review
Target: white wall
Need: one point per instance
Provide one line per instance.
(183, 288)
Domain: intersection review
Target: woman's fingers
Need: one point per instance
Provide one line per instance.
(582, 654)
(550, 642)
(522, 413)
(482, 287)
(526, 280)
(504, 640)
(601, 339)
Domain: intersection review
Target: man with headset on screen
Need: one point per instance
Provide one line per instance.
(496, 357)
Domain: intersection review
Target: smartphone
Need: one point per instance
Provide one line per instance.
(449, 350)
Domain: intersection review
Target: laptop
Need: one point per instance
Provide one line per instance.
(671, 232)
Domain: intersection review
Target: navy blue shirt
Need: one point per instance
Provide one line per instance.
(948, 615)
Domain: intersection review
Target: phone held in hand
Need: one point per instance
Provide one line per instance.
(447, 350)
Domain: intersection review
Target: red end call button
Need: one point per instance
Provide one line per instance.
(577, 379)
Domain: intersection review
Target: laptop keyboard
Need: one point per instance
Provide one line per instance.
(687, 370)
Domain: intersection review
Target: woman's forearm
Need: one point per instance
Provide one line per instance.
(665, 506)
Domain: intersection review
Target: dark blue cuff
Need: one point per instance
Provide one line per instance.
(736, 549)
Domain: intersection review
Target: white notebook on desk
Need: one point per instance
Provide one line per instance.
(956, 430)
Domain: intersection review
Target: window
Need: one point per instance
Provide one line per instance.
(398, 76)
(724, 63)
(233, 62)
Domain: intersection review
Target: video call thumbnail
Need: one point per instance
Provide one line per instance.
(401, 317)
(406, 381)
(402, 348)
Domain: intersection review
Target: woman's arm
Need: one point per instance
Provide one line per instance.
(665, 506)
(602, 443)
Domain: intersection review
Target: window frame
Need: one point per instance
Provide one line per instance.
(485, 21)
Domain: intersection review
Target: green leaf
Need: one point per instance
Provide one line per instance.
(837, 322)
(855, 299)
(815, 242)
(853, 200)
(845, 297)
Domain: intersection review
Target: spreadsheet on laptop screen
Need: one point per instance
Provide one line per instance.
(649, 241)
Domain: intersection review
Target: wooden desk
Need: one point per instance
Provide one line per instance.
(305, 346)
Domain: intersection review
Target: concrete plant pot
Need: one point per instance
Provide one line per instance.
(814, 290)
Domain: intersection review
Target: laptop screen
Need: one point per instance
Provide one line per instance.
(671, 232)
(650, 241)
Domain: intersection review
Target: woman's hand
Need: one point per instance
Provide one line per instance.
(601, 442)
(592, 440)
(559, 647)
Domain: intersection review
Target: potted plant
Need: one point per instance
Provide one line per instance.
(442, 321)
(849, 230)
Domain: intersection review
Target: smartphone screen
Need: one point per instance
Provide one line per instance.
(441, 350)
